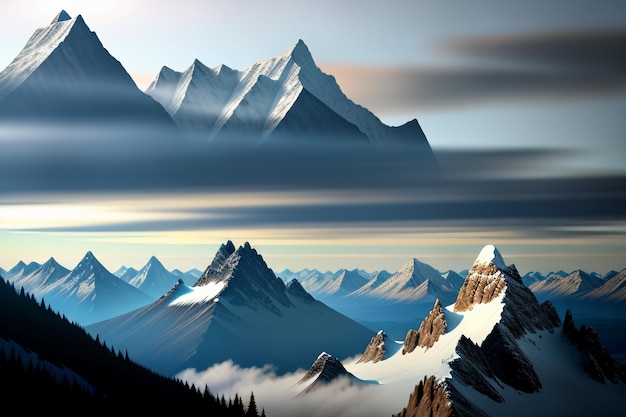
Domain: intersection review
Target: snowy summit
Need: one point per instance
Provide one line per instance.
(490, 255)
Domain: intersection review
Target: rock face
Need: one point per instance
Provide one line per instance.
(508, 362)
(433, 326)
(326, 369)
(375, 350)
(597, 362)
(485, 280)
(490, 278)
(438, 399)
(471, 368)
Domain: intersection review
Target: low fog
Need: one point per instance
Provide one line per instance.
(278, 395)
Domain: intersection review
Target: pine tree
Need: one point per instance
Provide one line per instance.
(252, 409)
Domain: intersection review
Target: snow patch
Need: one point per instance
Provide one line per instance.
(199, 295)
(490, 255)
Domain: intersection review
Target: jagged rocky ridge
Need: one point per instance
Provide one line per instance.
(325, 370)
(238, 310)
(375, 350)
(272, 100)
(597, 362)
(499, 361)
(431, 398)
(433, 326)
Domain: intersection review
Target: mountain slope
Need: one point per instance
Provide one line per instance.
(285, 97)
(153, 279)
(90, 293)
(238, 310)
(497, 351)
(63, 366)
(575, 284)
(37, 281)
(415, 280)
(613, 289)
(65, 73)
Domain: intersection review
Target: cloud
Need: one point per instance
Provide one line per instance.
(351, 189)
(278, 394)
(534, 67)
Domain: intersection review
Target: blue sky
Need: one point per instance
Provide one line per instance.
(539, 84)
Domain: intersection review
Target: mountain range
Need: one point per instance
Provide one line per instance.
(494, 351)
(42, 354)
(286, 97)
(89, 292)
(489, 352)
(65, 75)
(239, 310)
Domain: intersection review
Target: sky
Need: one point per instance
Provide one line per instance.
(523, 103)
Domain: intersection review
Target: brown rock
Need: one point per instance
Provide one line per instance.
(375, 350)
(482, 284)
(433, 399)
(433, 326)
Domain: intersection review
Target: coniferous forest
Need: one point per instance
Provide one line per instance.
(49, 363)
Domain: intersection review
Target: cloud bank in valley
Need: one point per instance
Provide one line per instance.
(277, 394)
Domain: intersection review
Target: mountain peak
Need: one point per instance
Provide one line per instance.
(61, 17)
(300, 53)
(490, 255)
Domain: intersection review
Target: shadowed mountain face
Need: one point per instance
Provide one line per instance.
(238, 310)
(282, 99)
(65, 74)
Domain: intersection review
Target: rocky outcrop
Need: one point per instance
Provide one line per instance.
(294, 288)
(522, 312)
(489, 278)
(471, 369)
(375, 350)
(597, 361)
(508, 362)
(433, 326)
(482, 285)
(438, 399)
(326, 369)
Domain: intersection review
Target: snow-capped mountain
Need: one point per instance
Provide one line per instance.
(339, 283)
(90, 293)
(532, 277)
(613, 289)
(125, 273)
(238, 309)
(21, 270)
(154, 279)
(495, 351)
(274, 98)
(189, 277)
(377, 279)
(575, 284)
(415, 280)
(454, 279)
(65, 73)
(37, 281)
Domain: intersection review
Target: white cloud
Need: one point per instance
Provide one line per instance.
(277, 394)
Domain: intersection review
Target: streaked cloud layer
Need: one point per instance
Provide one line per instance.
(152, 189)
